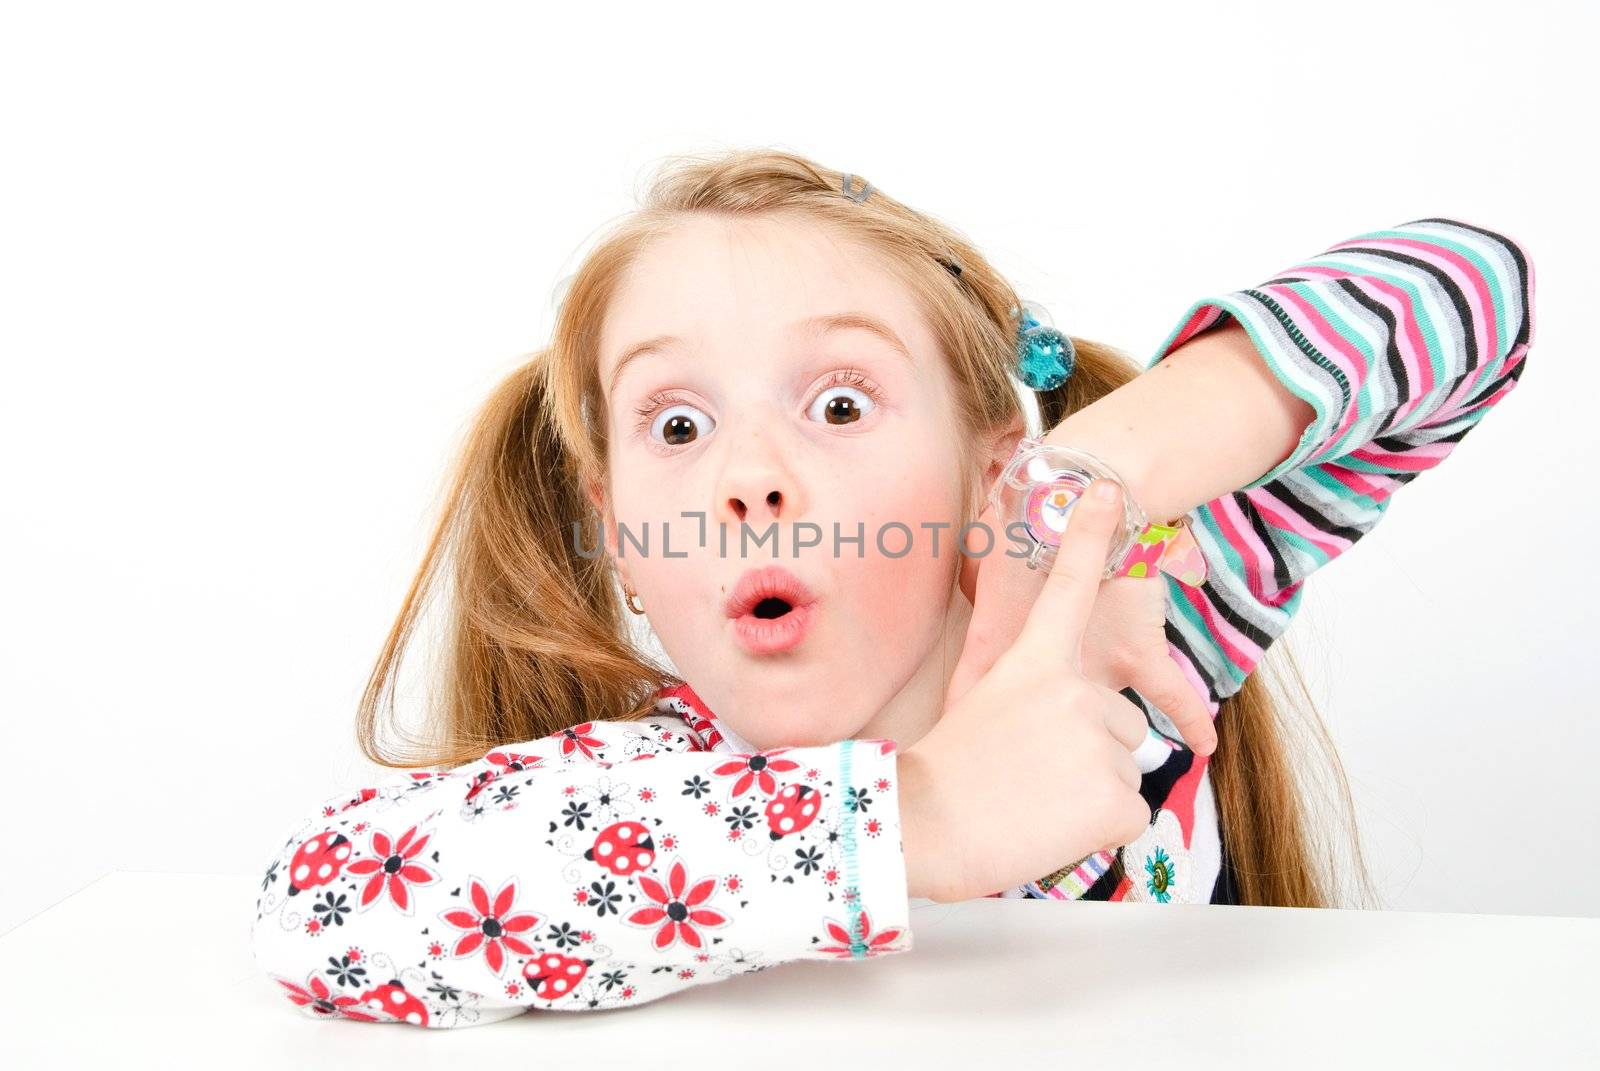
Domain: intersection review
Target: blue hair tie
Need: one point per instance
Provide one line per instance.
(1045, 356)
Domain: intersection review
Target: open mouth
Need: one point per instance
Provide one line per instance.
(771, 610)
(767, 593)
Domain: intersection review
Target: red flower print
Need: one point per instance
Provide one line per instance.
(393, 866)
(757, 769)
(678, 914)
(317, 999)
(362, 796)
(579, 738)
(480, 781)
(875, 942)
(501, 763)
(491, 925)
(511, 762)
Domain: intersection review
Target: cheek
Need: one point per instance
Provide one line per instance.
(654, 523)
(895, 514)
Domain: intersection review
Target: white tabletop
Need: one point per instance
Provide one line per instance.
(155, 970)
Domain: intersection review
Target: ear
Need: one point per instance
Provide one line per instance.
(1001, 445)
(595, 492)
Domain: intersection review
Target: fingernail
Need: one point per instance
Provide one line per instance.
(1105, 491)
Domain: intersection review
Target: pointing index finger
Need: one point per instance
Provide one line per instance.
(1061, 613)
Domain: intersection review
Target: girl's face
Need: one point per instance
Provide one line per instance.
(746, 383)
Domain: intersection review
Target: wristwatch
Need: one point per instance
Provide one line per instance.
(1041, 484)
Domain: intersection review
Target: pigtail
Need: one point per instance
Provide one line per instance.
(534, 641)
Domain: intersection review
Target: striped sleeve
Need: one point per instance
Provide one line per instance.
(1401, 340)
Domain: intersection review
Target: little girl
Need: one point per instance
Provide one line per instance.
(774, 348)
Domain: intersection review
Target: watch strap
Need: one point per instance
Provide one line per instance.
(1166, 548)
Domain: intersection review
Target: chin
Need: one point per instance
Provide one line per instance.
(797, 736)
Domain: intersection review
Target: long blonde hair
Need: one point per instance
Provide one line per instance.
(536, 635)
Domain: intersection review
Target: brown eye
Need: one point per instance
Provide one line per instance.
(841, 405)
(680, 425)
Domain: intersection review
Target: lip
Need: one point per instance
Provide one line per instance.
(770, 635)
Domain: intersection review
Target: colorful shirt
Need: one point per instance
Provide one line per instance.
(614, 863)
(1401, 340)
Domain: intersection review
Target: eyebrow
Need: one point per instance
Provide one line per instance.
(812, 327)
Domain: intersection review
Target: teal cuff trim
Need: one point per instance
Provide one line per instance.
(852, 890)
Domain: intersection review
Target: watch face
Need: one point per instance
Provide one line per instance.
(1047, 508)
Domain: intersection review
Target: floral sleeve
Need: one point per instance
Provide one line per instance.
(610, 864)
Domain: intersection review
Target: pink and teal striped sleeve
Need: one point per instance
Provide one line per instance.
(1401, 340)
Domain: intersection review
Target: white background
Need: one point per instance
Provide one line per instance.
(259, 264)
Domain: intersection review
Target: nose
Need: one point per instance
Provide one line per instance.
(757, 487)
(773, 500)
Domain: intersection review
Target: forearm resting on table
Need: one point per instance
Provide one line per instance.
(1208, 419)
(919, 836)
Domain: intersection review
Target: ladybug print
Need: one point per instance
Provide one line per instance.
(586, 838)
(393, 999)
(318, 861)
(554, 975)
(792, 810)
(623, 848)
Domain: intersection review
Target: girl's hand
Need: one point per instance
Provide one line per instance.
(1124, 646)
(1031, 727)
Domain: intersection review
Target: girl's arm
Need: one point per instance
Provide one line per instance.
(1365, 366)
(605, 866)
(1390, 332)
(1281, 419)
(1214, 403)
